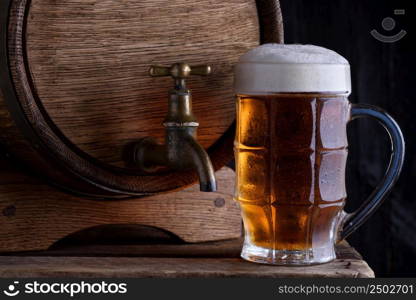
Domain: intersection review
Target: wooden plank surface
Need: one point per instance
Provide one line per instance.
(228, 248)
(145, 267)
(219, 259)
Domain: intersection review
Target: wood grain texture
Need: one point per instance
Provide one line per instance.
(34, 216)
(229, 248)
(81, 88)
(89, 62)
(173, 261)
(144, 267)
(15, 166)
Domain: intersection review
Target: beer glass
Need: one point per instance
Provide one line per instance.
(291, 151)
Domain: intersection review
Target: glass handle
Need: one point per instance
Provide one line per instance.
(354, 220)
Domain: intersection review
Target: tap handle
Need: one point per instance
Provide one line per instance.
(179, 70)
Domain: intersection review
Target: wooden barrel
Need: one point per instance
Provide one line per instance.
(75, 88)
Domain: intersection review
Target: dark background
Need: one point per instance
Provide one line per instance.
(382, 74)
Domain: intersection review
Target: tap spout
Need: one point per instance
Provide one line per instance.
(201, 162)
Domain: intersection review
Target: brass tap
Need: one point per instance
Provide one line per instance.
(181, 150)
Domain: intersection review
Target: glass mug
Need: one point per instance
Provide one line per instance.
(291, 152)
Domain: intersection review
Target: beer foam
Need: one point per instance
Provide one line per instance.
(280, 68)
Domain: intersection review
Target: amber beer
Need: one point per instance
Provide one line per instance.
(291, 151)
